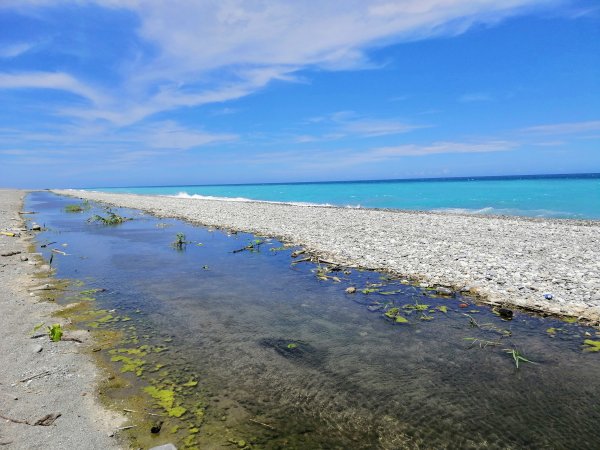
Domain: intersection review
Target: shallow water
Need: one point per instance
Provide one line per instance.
(285, 360)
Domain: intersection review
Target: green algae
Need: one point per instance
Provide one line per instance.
(165, 398)
(592, 346)
(135, 365)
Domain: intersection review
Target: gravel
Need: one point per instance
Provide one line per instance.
(39, 377)
(506, 260)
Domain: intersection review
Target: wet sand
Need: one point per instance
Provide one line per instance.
(546, 265)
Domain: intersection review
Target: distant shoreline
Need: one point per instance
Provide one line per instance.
(385, 180)
(512, 261)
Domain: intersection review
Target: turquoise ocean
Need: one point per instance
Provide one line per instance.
(554, 196)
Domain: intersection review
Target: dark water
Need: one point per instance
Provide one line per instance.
(286, 360)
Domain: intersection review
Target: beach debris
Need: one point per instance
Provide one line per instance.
(10, 253)
(253, 246)
(60, 252)
(142, 412)
(8, 233)
(27, 212)
(548, 296)
(297, 253)
(45, 373)
(350, 290)
(36, 227)
(298, 261)
(463, 305)
(266, 425)
(44, 421)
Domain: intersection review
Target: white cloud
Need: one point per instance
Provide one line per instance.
(50, 80)
(343, 124)
(441, 147)
(14, 50)
(565, 128)
(215, 51)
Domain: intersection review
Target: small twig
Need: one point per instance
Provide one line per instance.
(263, 424)
(125, 428)
(14, 420)
(39, 375)
(72, 339)
(45, 421)
(143, 412)
(301, 260)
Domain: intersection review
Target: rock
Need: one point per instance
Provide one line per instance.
(36, 227)
(24, 258)
(156, 427)
(444, 291)
(350, 290)
(168, 446)
(37, 349)
(505, 313)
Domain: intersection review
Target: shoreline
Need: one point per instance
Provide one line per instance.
(509, 261)
(39, 376)
(579, 221)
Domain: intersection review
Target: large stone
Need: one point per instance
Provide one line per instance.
(164, 447)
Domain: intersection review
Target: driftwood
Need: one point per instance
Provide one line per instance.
(271, 427)
(302, 260)
(39, 375)
(10, 253)
(44, 421)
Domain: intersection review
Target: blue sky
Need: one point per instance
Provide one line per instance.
(112, 93)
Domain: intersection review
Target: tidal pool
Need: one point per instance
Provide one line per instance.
(242, 349)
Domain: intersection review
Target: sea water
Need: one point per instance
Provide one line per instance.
(553, 196)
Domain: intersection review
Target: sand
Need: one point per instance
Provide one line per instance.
(66, 378)
(546, 265)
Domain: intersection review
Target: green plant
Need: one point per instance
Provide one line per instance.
(111, 218)
(78, 207)
(179, 243)
(253, 246)
(55, 332)
(517, 356)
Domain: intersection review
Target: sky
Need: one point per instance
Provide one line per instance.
(133, 93)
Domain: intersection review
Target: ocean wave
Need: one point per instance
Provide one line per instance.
(243, 199)
(490, 210)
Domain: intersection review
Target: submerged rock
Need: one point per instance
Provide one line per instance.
(505, 313)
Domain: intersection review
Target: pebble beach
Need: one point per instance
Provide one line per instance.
(546, 265)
